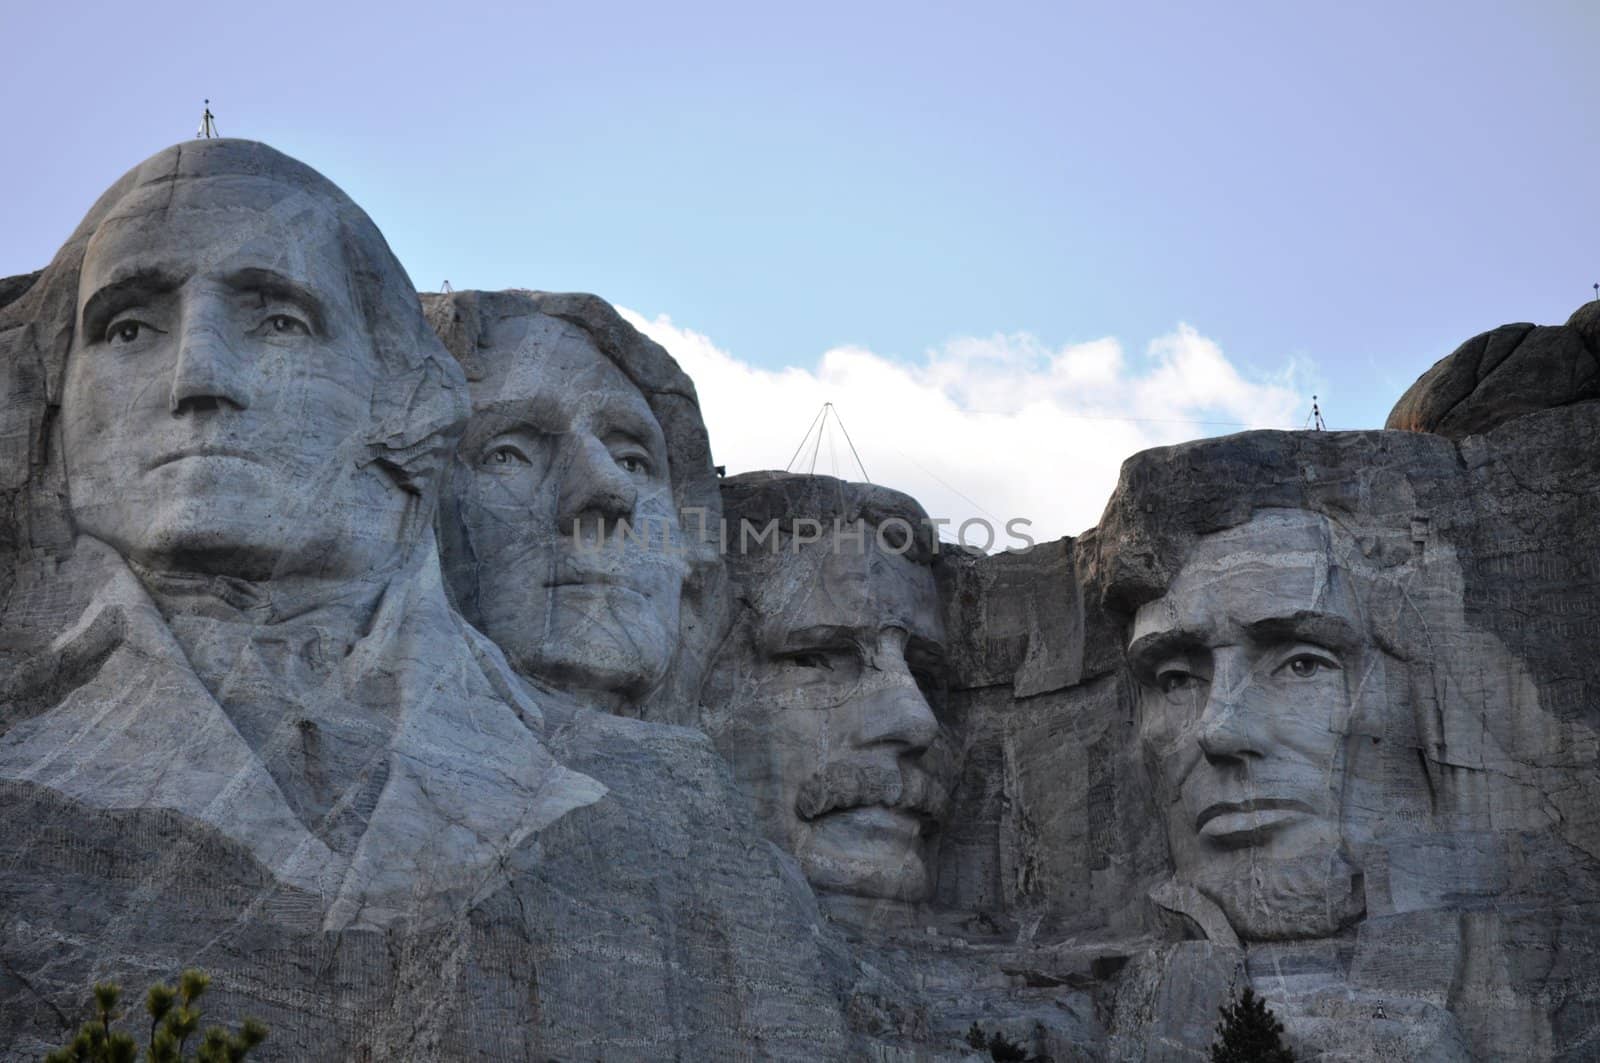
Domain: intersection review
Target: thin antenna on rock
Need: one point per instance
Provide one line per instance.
(445, 288)
(208, 124)
(819, 425)
(1317, 423)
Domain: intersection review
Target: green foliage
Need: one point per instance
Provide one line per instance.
(174, 1018)
(1249, 1032)
(1000, 1047)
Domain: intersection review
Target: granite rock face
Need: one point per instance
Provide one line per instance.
(1337, 720)
(1504, 373)
(405, 664)
(579, 522)
(241, 724)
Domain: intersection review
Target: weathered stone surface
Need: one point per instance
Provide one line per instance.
(241, 725)
(1504, 373)
(1456, 585)
(581, 424)
(1312, 711)
(823, 696)
(14, 288)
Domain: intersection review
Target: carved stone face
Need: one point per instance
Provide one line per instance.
(219, 388)
(1251, 670)
(561, 452)
(826, 717)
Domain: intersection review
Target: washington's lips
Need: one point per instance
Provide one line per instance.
(1248, 819)
(203, 451)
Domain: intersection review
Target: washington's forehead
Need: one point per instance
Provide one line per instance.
(300, 237)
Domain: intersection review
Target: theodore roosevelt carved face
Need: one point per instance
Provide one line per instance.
(824, 698)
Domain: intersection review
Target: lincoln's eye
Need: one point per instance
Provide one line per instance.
(125, 331)
(630, 463)
(284, 325)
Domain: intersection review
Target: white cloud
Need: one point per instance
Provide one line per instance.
(994, 428)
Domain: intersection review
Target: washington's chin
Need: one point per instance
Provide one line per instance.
(866, 852)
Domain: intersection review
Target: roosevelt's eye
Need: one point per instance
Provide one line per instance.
(505, 456)
(810, 659)
(1172, 680)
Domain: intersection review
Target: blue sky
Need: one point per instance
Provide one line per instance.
(1333, 195)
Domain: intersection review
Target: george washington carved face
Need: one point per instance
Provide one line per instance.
(217, 404)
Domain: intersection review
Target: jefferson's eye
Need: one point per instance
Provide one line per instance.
(505, 456)
(632, 463)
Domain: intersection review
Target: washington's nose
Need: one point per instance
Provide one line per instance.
(594, 486)
(209, 373)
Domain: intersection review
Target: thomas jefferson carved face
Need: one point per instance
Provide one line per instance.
(567, 550)
(824, 712)
(1252, 669)
(219, 390)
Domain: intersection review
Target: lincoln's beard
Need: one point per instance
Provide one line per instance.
(1283, 898)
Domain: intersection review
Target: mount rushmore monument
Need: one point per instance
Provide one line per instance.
(405, 662)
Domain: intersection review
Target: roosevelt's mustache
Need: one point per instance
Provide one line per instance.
(907, 788)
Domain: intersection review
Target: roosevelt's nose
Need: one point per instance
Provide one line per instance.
(593, 485)
(209, 373)
(1230, 727)
(892, 709)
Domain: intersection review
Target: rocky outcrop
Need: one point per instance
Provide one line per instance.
(1505, 373)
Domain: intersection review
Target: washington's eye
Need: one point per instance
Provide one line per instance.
(1306, 665)
(811, 660)
(505, 457)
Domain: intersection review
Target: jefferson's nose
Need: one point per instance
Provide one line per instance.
(209, 373)
(592, 485)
